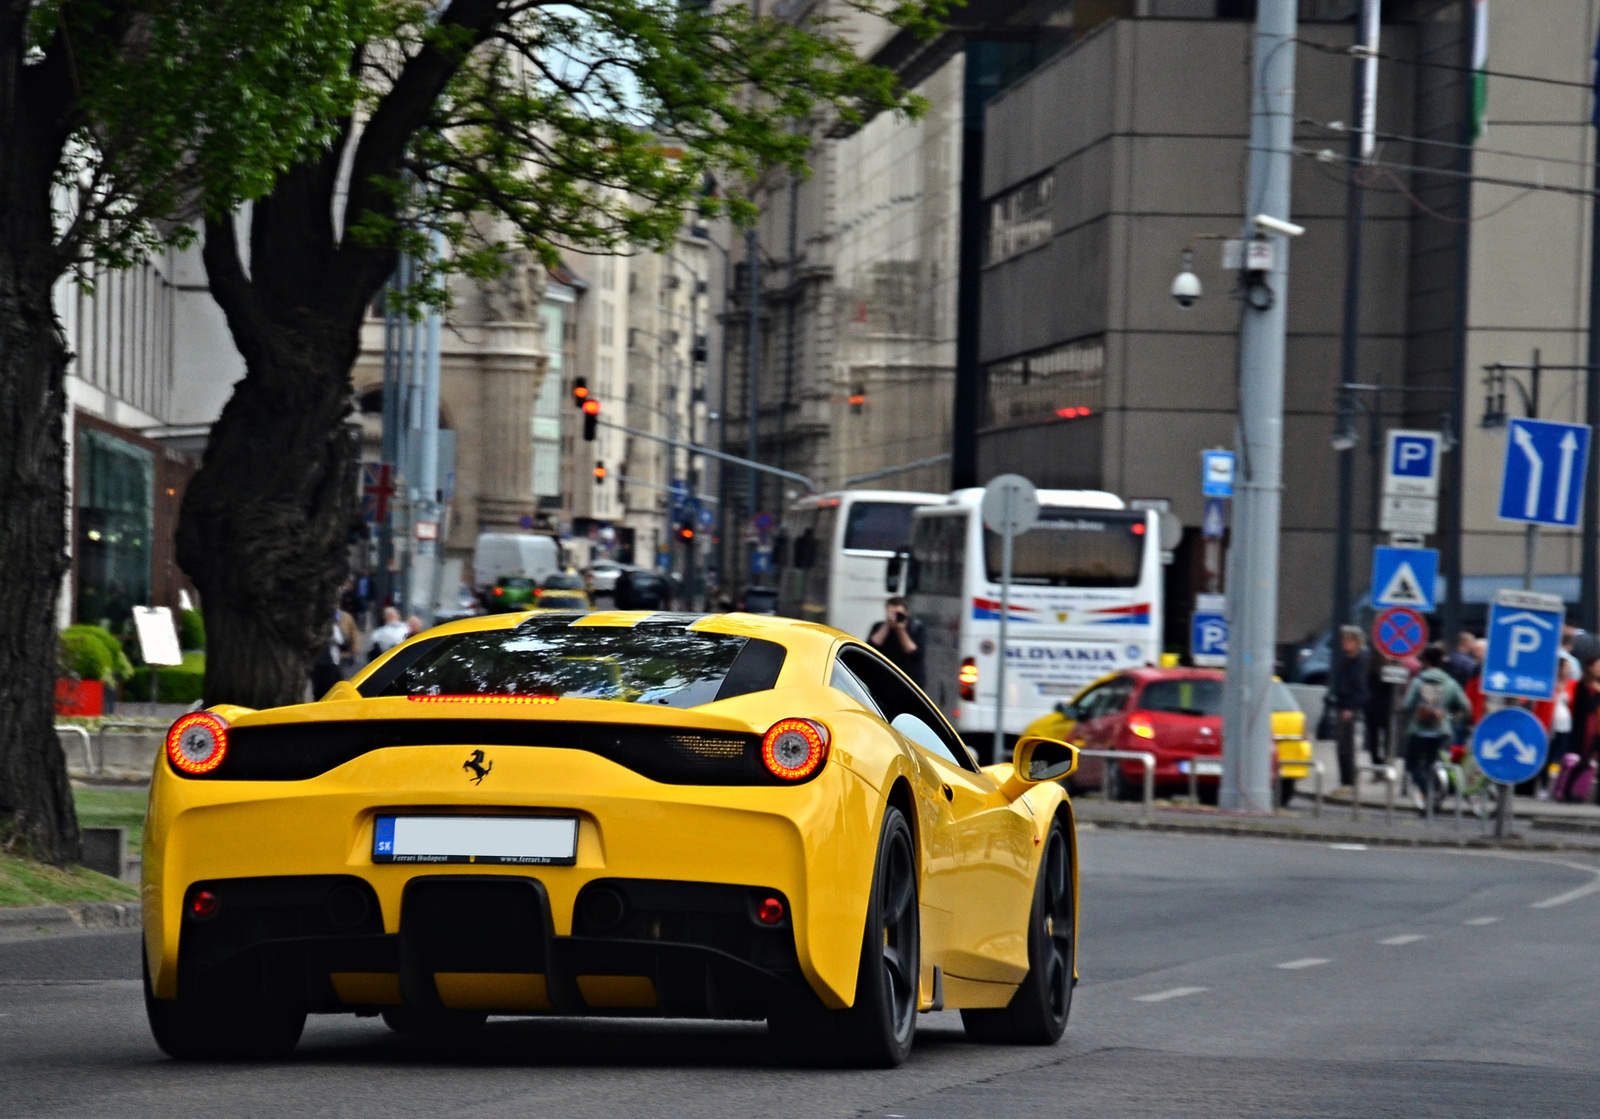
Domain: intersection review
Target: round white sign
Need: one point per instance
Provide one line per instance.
(1010, 505)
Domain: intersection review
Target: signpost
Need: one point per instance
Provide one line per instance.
(1214, 522)
(1399, 632)
(1208, 635)
(1524, 644)
(1010, 506)
(1405, 577)
(1510, 747)
(1216, 473)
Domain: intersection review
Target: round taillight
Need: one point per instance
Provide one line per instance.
(197, 743)
(794, 749)
(204, 905)
(770, 912)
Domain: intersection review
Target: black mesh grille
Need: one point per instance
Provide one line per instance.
(671, 755)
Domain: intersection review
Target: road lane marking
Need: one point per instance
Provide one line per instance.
(1571, 895)
(1404, 938)
(1480, 921)
(1347, 846)
(1309, 961)
(1174, 993)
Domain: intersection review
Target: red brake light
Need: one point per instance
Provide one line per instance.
(499, 591)
(197, 743)
(536, 699)
(204, 905)
(770, 912)
(794, 749)
(969, 679)
(1141, 727)
(1138, 529)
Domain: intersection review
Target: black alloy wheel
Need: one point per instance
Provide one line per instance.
(1038, 1012)
(256, 1020)
(876, 1032)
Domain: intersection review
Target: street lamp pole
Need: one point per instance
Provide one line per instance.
(1253, 575)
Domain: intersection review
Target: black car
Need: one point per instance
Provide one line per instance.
(760, 600)
(642, 590)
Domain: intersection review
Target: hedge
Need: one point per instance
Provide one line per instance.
(191, 629)
(179, 683)
(111, 666)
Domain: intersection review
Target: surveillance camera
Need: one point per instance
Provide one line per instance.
(1186, 288)
(1276, 225)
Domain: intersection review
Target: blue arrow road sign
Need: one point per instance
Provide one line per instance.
(1405, 577)
(1214, 522)
(1208, 637)
(1544, 471)
(1510, 746)
(1216, 473)
(1524, 644)
(708, 517)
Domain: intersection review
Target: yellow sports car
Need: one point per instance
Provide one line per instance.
(632, 813)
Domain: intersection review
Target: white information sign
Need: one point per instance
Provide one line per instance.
(158, 639)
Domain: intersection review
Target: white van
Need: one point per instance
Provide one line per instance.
(523, 554)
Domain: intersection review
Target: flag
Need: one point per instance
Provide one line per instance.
(1480, 65)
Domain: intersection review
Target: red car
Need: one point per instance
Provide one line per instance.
(1173, 713)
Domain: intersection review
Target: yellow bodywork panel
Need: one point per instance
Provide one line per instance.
(815, 841)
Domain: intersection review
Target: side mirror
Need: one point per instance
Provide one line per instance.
(1068, 710)
(891, 578)
(1036, 760)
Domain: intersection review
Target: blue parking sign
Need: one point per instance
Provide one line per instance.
(1542, 482)
(1524, 644)
(1412, 468)
(1208, 637)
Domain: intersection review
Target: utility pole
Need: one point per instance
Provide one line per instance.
(1589, 599)
(1253, 569)
(1363, 111)
(752, 255)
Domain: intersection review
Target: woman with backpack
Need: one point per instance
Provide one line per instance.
(1434, 703)
(1575, 782)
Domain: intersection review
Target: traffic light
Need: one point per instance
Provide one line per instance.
(686, 533)
(580, 390)
(591, 418)
(599, 472)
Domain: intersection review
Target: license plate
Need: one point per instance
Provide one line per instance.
(1201, 769)
(517, 840)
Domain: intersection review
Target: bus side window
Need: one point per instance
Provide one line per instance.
(805, 550)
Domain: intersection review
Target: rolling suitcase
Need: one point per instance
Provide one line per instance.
(1575, 783)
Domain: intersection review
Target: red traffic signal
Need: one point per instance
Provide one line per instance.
(686, 534)
(599, 473)
(580, 390)
(591, 419)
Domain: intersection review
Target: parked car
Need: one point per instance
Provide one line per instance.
(1175, 714)
(602, 576)
(642, 590)
(760, 600)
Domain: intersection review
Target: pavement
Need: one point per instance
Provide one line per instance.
(1219, 976)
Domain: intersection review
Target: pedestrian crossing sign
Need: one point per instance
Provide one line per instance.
(1405, 577)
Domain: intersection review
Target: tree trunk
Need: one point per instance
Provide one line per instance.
(264, 526)
(35, 796)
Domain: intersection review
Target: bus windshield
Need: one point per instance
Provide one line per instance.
(878, 526)
(1074, 548)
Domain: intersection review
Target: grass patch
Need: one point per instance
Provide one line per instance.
(113, 808)
(24, 882)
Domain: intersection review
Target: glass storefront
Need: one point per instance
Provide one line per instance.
(115, 491)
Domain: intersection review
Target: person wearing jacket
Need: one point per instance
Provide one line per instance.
(1434, 704)
(1349, 697)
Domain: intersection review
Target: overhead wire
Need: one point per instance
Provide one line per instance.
(1327, 48)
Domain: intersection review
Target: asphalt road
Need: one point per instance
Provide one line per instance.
(1220, 977)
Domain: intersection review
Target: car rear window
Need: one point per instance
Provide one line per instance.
(1074, 548)
(516, 583)
(670, 666)
(556, 600)
(1182, 697)
(1283, 699)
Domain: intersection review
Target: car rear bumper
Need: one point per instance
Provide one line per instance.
(487, 942)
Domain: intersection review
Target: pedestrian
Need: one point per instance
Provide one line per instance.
(1463, 664)
(345, 623)
(1348, 694)
(1434, 704)
(386, 636)
(899, 638)
(1575, 784)
(325, 670)
(1561, 737)
(414, 626)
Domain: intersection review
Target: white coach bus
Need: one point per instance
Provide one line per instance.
(834, 550)
(1085, 600)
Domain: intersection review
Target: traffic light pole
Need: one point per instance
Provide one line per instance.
(695, 448)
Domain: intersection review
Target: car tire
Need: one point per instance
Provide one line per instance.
(1120, 788)
(1285, 791)
(434, 1023)
(876, 1032)
(245, 1026)
(1038, 1012)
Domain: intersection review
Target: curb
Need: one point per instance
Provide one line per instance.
(73, 917)
(1371, 839)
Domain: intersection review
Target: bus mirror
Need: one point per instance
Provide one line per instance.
(901, 575)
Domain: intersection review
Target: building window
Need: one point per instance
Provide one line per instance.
(1021, 218)
(608, 318)
(1063, 383)
(115, 493)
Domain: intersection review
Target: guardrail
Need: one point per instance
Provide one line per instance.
(1389, 779)
(1318, 773)
(88, 755)
(1144, 758)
